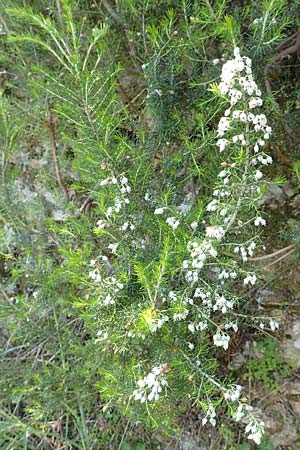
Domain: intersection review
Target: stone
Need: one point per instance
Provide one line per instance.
(290, 346)
(295, 206)
(187, 442)
(280, 427)
(288, 190)
(274, 197)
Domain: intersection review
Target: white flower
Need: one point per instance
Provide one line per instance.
(173, 222)
(159, 210)
(215, 231)
(236, 52)
(150, 387)
(256, 437)
(108, 300)
(250, 279)
(222, 304)
(233, 394)
(223, 126)
(232, 325)
(180, 316)
(194, 225)
(221, 339)
(254, 102)
(215, 61)
(259, 221)
(191, 327)
(101, 224)
(210, 416)
(109, 212)
(239, 413)
(273, 324)
(223, 275)
(265, 161)
(124, 226)
(222, 174)
(258, 175)
(256, 429)
(124, 180)
(212, 206)
(221, 143)
(202, 326)
(251, 247)
(113, 247)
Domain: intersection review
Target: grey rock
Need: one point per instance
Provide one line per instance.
(187, 442)
(288, 190)
(293, 389)
(295, 203)
(266, 297)
(291, 344)
(241, 357)
(274, 197)
(280, 428)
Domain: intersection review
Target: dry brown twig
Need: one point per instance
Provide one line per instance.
(287, 251)
(59, 12)
(286, 48)
(120, 21)
(51, 125)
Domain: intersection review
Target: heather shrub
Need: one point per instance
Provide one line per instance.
(129, 218)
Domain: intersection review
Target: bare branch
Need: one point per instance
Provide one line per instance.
(51, 126)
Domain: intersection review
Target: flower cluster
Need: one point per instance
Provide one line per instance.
(238, 182)
(221, 339)
(233, 394)
(199, 252)
(172, 222)
(218, 246)
(150, 387)
(110, 286)
(254, 427)
(210, 416)
(120, 201)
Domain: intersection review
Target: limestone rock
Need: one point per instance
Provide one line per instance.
(290, 345)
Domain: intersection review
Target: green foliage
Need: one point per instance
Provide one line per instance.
(264, 445)
(267, 363)
(130, 94)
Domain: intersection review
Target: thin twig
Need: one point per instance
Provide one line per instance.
(294, 48)
(87, 204)
(59, 13)
(120, 21)
(279, 259)
(271, 255)
(210, 9)
(290, 50)
(286, 41)
(51, 126)
(126, 99)
(114, 14)
(261, 258)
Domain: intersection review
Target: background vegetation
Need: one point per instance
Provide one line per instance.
(93, 90)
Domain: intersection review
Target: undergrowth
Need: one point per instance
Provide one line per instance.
(129, 215)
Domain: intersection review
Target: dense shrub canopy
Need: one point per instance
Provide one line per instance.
(135, 154)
